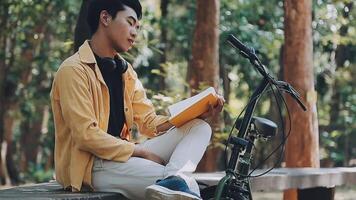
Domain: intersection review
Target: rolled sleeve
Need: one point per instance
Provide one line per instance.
(144, 113)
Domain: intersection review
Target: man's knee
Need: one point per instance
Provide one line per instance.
(203, 126)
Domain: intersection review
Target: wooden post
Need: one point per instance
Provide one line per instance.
(303, 144)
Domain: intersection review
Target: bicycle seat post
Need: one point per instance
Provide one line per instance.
(239, 144)
(244, 161)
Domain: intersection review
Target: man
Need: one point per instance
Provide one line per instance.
(96, 98)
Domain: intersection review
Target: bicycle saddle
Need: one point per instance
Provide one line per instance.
(262, 126)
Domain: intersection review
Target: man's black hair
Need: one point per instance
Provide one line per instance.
(112, 7)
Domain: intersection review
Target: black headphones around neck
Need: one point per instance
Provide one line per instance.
(115, 62)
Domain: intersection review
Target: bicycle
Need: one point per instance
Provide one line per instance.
(235, 185)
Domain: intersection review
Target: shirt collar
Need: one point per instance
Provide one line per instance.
(86, 55)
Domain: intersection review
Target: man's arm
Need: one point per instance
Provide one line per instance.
(164, 127)
(144, 114)
(213, 110)
(143, 153)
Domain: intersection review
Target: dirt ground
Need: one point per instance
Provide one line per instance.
(341, 193)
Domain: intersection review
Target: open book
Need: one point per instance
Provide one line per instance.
(192, 107)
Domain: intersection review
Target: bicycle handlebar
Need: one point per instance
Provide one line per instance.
(292, 92)
(250, 54)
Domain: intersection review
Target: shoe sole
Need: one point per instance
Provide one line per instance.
(156, 192)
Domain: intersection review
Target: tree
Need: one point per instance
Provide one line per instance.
(334, 49)
(4, 18)
(204, 66)
(302, 149)
(342, 54)
(163, 46)
(29, 56)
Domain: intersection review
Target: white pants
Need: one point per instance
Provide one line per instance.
(182, 148)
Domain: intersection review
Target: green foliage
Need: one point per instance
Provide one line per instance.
(262, 30)
(147, 55)
(38, 174)
(259, 24)
(335, 47)
(39, 36)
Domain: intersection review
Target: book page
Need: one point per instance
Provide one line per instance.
(179, 107)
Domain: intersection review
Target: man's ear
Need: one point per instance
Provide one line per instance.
(105, 17)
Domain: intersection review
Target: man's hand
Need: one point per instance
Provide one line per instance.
(163, 127)
(142, 153)
(214, 110)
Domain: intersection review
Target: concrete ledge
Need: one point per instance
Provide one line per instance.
(51, 191)
(288, 178)
(277, 179)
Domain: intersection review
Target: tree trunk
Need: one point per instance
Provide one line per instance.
(3, 72)
(82, 31)
(11, 105)
(12, 171)
(302, 148)
(341, 54)
(164, 43)
(224, 74)
(340, 58)
(204, 66)
(30, 137)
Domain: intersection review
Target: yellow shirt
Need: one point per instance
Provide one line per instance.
(80, 105)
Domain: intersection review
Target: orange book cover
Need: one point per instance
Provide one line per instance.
(192, 107)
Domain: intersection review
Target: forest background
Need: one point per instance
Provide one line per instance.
(37, 35)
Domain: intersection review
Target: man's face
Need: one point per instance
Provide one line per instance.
(122, 30)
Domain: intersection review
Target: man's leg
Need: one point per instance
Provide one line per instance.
(129, 178)
(182, 148)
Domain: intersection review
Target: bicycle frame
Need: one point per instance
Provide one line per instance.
(236, 178)
(240, 164)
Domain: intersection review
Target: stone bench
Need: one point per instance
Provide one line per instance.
(312, 183)
(316, 181)
(289, 178)
(53, 191)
